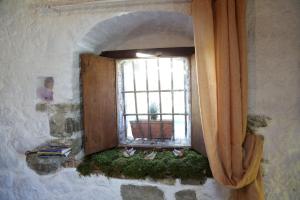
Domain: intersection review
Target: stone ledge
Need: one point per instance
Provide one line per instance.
(50, 165)
(190, 182)
(44, 166)
(186, 195)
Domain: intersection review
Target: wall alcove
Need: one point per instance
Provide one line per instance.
(142, 30)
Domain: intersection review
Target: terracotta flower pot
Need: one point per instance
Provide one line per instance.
(152, 129)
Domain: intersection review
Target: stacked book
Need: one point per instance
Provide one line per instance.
(48, 151)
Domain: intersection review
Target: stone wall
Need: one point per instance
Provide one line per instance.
(65, 126)
(41, 42)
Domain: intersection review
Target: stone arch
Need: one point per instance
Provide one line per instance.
(145, 29)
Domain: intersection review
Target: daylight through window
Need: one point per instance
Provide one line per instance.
(153, 101)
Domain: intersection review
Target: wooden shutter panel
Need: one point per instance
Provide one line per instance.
(197, 134)
(98, 75)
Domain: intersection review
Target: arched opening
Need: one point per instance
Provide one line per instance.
(148, 30)
(140, 30)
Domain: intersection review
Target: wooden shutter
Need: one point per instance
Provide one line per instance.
(197, 134)
(98, 75)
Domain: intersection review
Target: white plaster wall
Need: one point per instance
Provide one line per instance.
(138, 42)
(35, 44)
(274, 90)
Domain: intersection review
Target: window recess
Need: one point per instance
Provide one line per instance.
(112, 98)
(154, 102)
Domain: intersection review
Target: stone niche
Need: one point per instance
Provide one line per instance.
(66, 128)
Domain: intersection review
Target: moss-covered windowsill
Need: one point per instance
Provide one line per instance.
(165, 165)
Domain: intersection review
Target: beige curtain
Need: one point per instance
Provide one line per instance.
(221, 58)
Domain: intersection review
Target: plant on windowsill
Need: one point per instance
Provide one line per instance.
(165, 165)
(152, 128)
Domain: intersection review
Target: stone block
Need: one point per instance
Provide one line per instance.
(41, 107)
(255, 122)
(71, 163)
(190, 182)
(69, 125)
(167, 181)
(186, 195)
(134, 192)
(72, 125)
(44, 166)
(57, 126)
(64, 119)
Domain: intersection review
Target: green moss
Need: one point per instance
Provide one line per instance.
(104, 161)
(158, 169)
(136, 168)
(112, 163)
(119, 164)
(85, 168)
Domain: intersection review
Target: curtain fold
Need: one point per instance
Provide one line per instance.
(221, 60)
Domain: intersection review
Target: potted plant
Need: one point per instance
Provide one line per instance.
(152, 128)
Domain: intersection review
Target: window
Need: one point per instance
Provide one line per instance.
(153, 105)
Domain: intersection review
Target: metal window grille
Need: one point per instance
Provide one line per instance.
(123, 115)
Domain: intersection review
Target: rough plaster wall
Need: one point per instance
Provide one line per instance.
(137, 42)
(35, 44)
(141, 30)
(274, 77)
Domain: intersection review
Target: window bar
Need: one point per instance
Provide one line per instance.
(156, 113)
(159, 93)
(185, 106)
(124, 107)
(143, 91)
(147, 83)
(172, 94)
(134, 88)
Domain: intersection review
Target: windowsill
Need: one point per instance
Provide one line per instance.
(179, 143)
(164, 165)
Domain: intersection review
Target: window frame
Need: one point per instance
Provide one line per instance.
(121, 112)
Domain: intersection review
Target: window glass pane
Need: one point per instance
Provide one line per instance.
(140, 74)
(165, 73)
(129, 103)
(179, 126)
(128, 76)
(179, 102)
(154, 103)
(167, 117)
(166, 102)
(142, 102)
(152, 74)
(129, 131)
(178, 73)
(143, 117)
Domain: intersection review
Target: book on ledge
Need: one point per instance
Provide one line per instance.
(54, 151)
